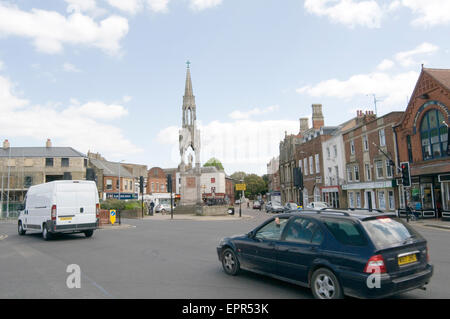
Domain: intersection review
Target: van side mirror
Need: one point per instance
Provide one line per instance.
(251, 234)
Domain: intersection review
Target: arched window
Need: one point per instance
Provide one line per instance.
(433, 134)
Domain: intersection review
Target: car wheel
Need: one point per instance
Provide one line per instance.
(45, 233)
(89, 233)
(230, 263)
(20, 229)
(325, 285)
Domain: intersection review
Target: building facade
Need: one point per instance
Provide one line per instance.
(114, 180)
(22, 167)
(369, 149)
(422, 135)
(310, 158)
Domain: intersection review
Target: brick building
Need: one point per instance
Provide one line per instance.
(422, 136)
(156, 181)
(370, 177)
(113, 179)
(309, 155)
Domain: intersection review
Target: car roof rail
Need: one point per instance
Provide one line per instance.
(373, 209)
(327, 211)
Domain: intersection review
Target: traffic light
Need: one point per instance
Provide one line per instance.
(406, 175)
(298, 177)
(141, 184)
(169, 183)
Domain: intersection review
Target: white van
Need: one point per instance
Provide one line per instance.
(60, 207)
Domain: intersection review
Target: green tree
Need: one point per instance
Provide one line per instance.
(214, 162)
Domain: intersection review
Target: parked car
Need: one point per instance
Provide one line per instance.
(290, 207)
(334, 253)
(60, 207)
(276, 208)
(317, 205)
(162, 208)
(256, 204)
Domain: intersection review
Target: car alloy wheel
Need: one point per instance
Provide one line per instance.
(229, 262)
(325, 285)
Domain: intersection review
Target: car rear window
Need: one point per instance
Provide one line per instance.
(389, 232)
(346, 232)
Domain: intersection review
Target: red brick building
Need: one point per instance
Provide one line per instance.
(422, 137)
(156, 181)
(370, 177)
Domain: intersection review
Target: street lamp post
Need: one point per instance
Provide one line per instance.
(120, 164)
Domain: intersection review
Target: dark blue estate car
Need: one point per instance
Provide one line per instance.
(335, 253)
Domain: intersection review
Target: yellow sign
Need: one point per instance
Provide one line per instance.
(112, 216)
(241, 187)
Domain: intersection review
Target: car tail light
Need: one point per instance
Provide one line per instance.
(428, 256)
(54, 212)
(97, 210)
(375, 264)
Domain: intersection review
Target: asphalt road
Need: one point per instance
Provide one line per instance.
(159, 259)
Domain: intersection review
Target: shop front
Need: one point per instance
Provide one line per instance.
(377, 195)
(330, 195)
(430, 195)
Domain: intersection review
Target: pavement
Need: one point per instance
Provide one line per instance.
(197, 218)
(432, 222)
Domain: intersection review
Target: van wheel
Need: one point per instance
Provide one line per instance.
(20, 229)
(89, 233)
(45, 233)
(325, 285)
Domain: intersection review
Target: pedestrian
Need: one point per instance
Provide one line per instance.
(152, 206)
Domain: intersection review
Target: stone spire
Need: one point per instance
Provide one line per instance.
(189, 108)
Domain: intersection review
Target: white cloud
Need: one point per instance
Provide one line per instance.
(80, 5)
(50, 31)
(430, 12)
(392, 89)
(129, 6)
(406, 58)
(386, 64)
(348, 12)
(239, 115)
(68, 67)
(158, 5)
(77, 126)
(204, 4)
(236, 143)
(96, 110)
(1, 65)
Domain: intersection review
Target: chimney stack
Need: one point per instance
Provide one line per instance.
(304, 124)
(317, 116)
(48, 143)
(6, 144)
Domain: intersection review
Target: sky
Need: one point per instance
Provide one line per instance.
(108, 76)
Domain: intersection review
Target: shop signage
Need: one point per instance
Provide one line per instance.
(382, 184)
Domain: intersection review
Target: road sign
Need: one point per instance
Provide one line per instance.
(241, 187)
(112, 216)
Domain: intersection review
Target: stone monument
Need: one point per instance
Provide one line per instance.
(189, 140)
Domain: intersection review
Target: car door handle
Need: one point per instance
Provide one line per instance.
(313, 249)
